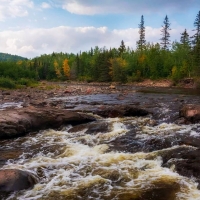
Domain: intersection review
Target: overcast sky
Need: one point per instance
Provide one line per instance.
(30, 28)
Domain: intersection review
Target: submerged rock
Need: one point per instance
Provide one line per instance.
(92, 128)
(14, 180)
(21, 121)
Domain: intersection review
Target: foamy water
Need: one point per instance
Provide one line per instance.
(81, 166)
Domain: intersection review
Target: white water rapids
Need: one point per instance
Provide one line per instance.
(76, 165)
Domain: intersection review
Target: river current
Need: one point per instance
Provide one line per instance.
(76, 163)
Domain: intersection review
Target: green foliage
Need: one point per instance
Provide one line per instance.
(7, 83)
(176, 60)
(26, 82)
(11, 58)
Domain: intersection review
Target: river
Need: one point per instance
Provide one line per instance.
(110, 159)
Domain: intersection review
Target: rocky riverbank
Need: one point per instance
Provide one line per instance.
(51, 106)
(39, 96)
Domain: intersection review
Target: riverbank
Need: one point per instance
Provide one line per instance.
(37, 96)
(125, 123)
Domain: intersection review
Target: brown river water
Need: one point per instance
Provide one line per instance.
(86, 162)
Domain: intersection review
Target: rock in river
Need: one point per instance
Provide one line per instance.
(14, 180)
(21, 121)
(121, 111)
(190, 112)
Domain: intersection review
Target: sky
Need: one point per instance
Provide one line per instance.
(30, 28)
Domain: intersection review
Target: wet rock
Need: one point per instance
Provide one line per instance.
(131, 143)
(14, 180)
(67, 91)
(120, 111)
(185, 160)
(38, 103)
(190, 112)
(162, 191)
(92, 128)
(5, 93)
(20, 121)
(10, 154)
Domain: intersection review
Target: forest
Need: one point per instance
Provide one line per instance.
(174, 60)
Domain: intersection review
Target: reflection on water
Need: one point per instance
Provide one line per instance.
(10, 105)
(75, 165)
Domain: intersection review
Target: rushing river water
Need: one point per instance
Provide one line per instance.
(85, 162)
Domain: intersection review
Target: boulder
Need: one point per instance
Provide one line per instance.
(92, 128)
(21, 121)
(185, 161)
(190, 112)
(14, 180)
(121, 111)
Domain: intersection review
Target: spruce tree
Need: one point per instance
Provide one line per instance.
(196, 42)
(185, 39)
(141, 42)
(165, 41)
(196, 36)
(122, 48)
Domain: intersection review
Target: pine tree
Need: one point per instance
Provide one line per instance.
(122, 48)
(141, 42)
(165, 41)
(196, 42)
(196, 36)
(185, 39)
(186, 57)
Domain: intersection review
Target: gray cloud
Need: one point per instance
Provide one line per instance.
(91, 7)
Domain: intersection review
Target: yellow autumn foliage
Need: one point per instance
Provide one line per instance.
(66, 68)
(19, 62)
(141, 59)
(57, 70)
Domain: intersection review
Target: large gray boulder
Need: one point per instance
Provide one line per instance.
(21, 121)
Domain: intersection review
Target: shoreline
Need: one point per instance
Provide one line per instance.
(38, 96)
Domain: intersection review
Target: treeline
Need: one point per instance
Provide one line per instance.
(11, 58)
(175, 60)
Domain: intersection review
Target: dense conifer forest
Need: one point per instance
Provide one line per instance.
(174, 60)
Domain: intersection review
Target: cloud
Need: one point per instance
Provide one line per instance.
(91, 7)
(14, 8)
(34, 42)
(45, 5)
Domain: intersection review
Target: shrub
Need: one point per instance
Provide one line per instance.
(7, 83)
(26, 82)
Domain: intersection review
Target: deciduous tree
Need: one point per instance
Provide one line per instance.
(66, 68)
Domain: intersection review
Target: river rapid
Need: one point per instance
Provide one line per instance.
(109, 159)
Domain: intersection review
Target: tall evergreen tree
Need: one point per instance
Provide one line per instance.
(196, 36)
(196, 42)
(184, 55)
(122, 48)
(141, 42)
(165, 41)
(185, 39)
